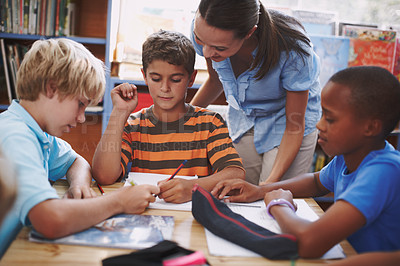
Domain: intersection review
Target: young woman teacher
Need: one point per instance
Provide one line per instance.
(265, 64)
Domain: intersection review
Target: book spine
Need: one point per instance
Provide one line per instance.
(15, 14)
(13, 69)
(9, 26)
(61, 19)
(21, 16)
(49, 19)
(32, 16)
(25, 16)
(72, 9)
(67, 18)
(43, 17)
(38, 9)
(57, 18)
(2, 15)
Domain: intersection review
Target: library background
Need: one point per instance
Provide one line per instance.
(344, 33)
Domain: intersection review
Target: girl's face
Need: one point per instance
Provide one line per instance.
(217, 44)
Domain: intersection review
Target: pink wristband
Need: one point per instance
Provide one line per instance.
(279, 202)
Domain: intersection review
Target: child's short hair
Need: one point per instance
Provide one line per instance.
(75, 70)
(375, 92)
(172, 47)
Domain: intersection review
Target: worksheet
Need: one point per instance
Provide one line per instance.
(218, 246)
(153, 179)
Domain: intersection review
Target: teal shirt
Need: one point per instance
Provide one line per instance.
(38, 158)
(261, 103)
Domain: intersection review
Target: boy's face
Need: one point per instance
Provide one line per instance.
(340, 131)
(64, 114)
(167, 86)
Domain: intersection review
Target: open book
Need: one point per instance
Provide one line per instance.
(120, 231)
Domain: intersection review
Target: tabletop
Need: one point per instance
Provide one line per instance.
(188, 233)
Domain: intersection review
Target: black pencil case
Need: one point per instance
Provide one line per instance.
(223, 222)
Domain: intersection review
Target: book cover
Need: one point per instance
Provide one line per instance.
(318, 23)
(373, 47)
(396, 68)
(333, 52)
(343, 24)
(120, 231)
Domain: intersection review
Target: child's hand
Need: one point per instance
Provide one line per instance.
(279, 194)
(124, 97)
(82, 192)
(177, 190)
(135, 199)
(238, 189)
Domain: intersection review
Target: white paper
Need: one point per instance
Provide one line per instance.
(220, 247)
(153, 179)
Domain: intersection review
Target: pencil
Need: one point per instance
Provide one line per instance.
(177, 170)
(100, 188)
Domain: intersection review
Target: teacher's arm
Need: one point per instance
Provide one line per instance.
(209, 90)
(296, 104)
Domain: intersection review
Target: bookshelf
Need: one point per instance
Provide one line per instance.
(90, 30)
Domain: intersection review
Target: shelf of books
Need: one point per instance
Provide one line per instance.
(25, 21)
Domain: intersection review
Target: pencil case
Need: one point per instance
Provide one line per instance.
(165, 253)
(223, 222)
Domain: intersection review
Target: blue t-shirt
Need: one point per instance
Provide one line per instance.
(374, 189)
(261, 103)
(38, 158)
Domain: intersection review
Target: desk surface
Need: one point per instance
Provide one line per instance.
(188, 233)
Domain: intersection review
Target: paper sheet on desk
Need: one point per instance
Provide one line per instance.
(220, 247)
(152, 179)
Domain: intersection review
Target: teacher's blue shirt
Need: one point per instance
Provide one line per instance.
(261, 103)
(38, 158)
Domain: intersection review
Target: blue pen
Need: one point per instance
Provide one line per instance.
(177, 170)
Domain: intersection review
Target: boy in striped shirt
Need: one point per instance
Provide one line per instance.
(157, 139)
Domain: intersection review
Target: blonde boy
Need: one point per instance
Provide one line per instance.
(57, 80)
(159, 138)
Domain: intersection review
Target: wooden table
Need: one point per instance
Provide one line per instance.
(188, 233)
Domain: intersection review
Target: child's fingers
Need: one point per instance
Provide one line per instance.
(127, 91)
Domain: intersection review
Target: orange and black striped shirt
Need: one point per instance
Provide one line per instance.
(200, 136)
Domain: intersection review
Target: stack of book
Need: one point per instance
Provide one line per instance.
(38, 17)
